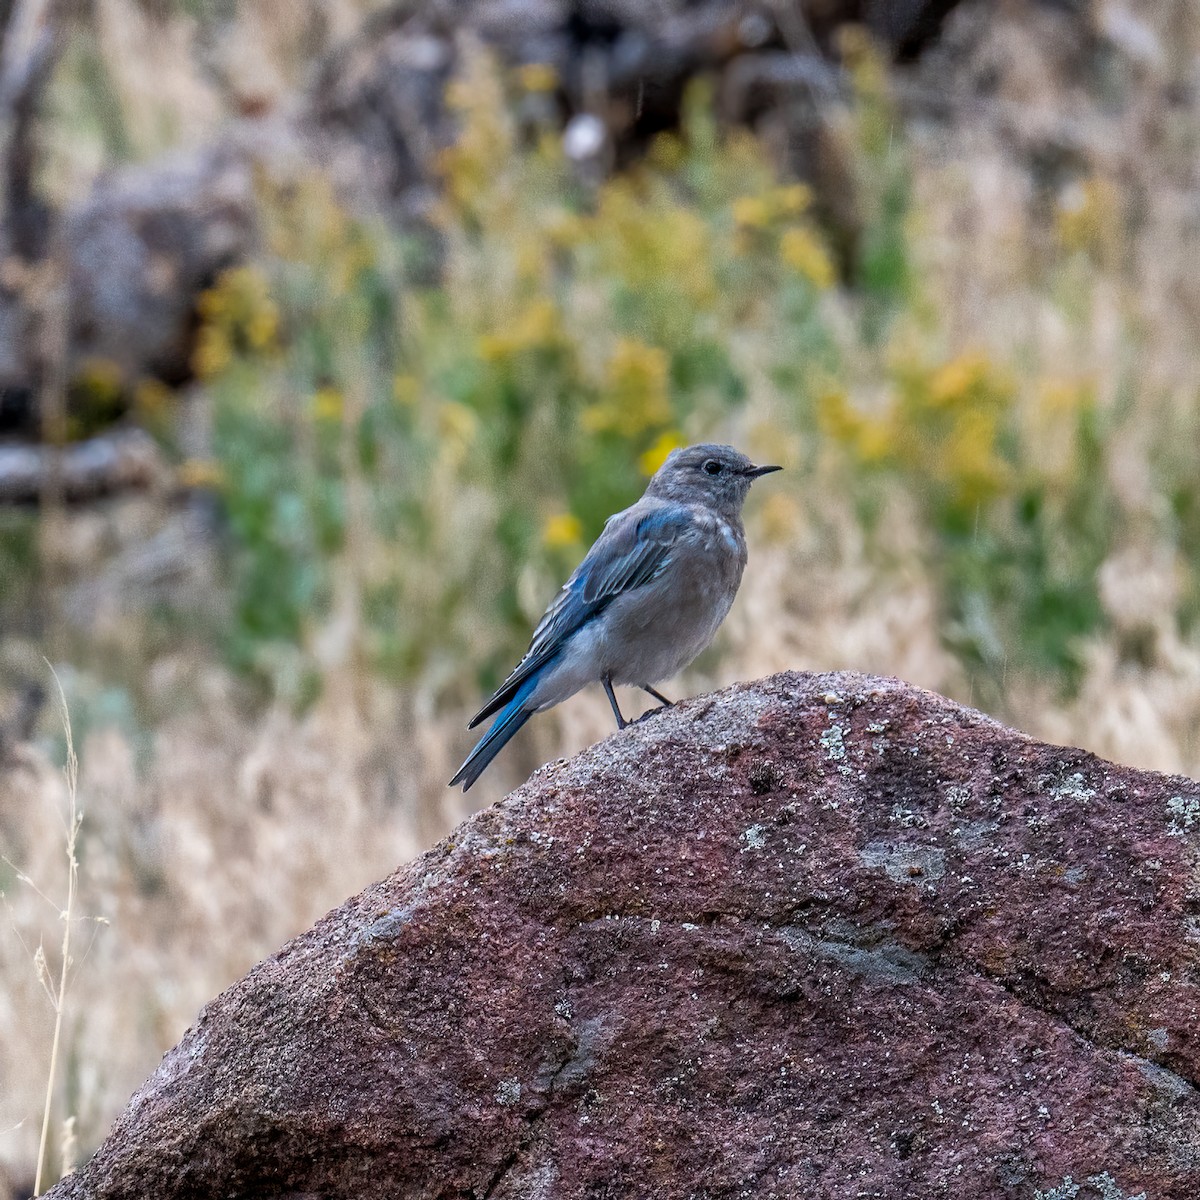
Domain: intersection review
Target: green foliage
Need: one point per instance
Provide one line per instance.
(882, 269)
(18, 566)
(400, 455)
(1180, 521)
(424, 453)
(1019, 532)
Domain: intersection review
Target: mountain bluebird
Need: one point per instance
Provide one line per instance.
(647, 598)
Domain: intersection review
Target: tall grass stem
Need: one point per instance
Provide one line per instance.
(67, 915)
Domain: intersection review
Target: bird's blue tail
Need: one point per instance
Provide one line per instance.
(510, 718)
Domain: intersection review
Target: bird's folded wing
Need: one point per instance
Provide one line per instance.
(633, 549)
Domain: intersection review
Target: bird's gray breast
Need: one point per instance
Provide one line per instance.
(656, 630)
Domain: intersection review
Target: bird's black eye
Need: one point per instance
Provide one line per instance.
(711, 467)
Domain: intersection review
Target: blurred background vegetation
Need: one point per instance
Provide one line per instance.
(469, 285)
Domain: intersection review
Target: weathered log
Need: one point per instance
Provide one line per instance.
(112, 462)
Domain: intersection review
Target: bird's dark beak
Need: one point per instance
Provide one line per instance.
(755, 472)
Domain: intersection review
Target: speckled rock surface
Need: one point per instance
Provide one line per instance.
(821, 935)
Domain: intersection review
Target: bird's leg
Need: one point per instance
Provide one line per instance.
(607, 681)
(662, 700)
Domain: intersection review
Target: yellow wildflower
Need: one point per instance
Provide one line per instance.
(537, 77)
(561, 531)
(212, 353)
(406, 390)
(837, 418)
(201, 473)
(328, 404)
(961, 380)
(101, 382)
(537, 327)
(792, 199)
(874, 440)
(970, 463)
(565, 229)
(211, 304)
(667, 152)
(152, 397)
(801, 250)
(482, 152)
(494, 347)
(457, 423)
(950, 424)
(262, 327)
(772, 205)
(531, 259)
(648, 241)
(636, 399)
(752, 212)
(654, 458)
(870, 438)
(1065, 396)
(237, 311)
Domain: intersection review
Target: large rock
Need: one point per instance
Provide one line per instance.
(137, 253)
(815, 936)
(141, 248)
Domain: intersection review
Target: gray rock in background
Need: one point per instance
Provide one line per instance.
(142, 247)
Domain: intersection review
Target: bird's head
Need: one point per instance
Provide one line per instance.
(716, 476)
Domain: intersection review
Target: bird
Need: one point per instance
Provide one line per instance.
(646, 599)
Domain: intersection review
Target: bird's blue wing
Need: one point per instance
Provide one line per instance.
(634, 548)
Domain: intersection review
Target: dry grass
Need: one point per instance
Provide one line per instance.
(58, 995)
(144, 78)
(229, 838)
